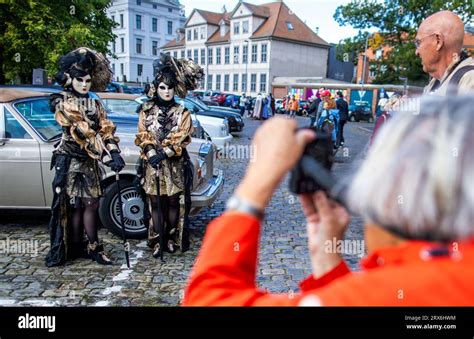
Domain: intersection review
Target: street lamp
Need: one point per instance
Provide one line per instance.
(365, 58)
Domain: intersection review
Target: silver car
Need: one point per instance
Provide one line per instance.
(28, 133)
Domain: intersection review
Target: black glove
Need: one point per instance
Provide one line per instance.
(156, 159)
(117, 163)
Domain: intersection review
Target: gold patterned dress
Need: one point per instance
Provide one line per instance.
(168, 129)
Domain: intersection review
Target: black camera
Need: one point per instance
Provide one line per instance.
(320, 150)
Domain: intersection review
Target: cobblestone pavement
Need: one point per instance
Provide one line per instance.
(283, 261)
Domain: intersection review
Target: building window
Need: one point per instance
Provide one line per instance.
(122, 45)
(263, 83)
(139, 70)
(170, 10)
(253, 82)
(121, 20)
(170, 27)
(203, 56)
(209, 56)
(138, 19)
(235, 86)
(289, 25)
(189, 54)
(121, 69)
(245, 26)
(218, 55)
(113, 68)
(113, 18)
(236, 28)
(202, 33)
(139, 2)
(154, 47)
(209, 81)
(263, 55)
(218, 82)
(227, 55)
(245, 54)
(155, 6)
(182, 54)
(189, 35)
(113, 46)
(139, 46)
(196, 56)
(244, 83)
(226, 82)
(236, 54)
(154, 24)
(175, 54)
(195, 34)
(254, 53)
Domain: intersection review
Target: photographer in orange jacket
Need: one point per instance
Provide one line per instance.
(415, 192)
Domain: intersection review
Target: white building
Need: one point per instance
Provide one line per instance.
(143, 26)
(244, 50)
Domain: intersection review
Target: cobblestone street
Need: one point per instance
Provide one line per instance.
(284, 259)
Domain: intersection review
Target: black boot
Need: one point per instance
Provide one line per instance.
(97, 253)
(78, 251)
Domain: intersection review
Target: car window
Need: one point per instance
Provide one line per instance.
(13, 129)
(186, 103)
(38, 113)
(121, 106)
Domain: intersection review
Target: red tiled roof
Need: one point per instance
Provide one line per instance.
(217, 38)
(260, 11)
(174, 43)
(213, 18)
(276, 26)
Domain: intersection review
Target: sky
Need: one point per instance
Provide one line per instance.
(316, 13)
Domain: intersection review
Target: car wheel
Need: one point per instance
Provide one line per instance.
(132, 211)
(352, 118)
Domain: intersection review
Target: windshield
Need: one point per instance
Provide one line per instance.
(38, 113)
(121, 106)
(200, 104)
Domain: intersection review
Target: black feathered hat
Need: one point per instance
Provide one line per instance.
(181, 74)
(83, 61)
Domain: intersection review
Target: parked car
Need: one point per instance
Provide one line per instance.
(279, 105)
(303, 110)
(216, 128)
(214, 96)
(360, 112)
(115, 87)
(28, 132)
(232, 101)
(236, 123)
(196, 93)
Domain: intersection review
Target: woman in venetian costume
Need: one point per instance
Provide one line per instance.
(88, 141)
(164, 131)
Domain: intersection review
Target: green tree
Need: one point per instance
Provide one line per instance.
(35, 33)
(397, 22)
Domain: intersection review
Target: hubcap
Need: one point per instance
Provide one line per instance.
(132, 211)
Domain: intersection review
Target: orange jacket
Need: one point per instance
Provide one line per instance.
(294, 106)
(225, 272)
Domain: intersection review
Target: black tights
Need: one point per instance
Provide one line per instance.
(170, 212)
(84, 217)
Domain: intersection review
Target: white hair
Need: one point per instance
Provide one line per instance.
(417, 179)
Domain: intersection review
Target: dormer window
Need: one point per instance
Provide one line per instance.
(289, 25)
(222, 28)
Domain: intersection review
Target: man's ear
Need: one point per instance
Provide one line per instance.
(439, 41)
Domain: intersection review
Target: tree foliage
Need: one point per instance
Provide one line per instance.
(396, 23)
(35, 33)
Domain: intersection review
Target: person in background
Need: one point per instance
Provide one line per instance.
(294, 106)
(343, 108)
(257, 110)
(242, 104)
(392, 104)
(272, 104)
(313, 109)
(439, 44)
(420, 252)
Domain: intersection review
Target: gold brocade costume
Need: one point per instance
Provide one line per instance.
(88, 136)
(171, 131)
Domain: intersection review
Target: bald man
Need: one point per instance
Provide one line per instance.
(439, 43)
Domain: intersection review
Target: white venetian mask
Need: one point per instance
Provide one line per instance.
(82, 85)
(165, 92)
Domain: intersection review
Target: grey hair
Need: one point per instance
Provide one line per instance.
(417, 178)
